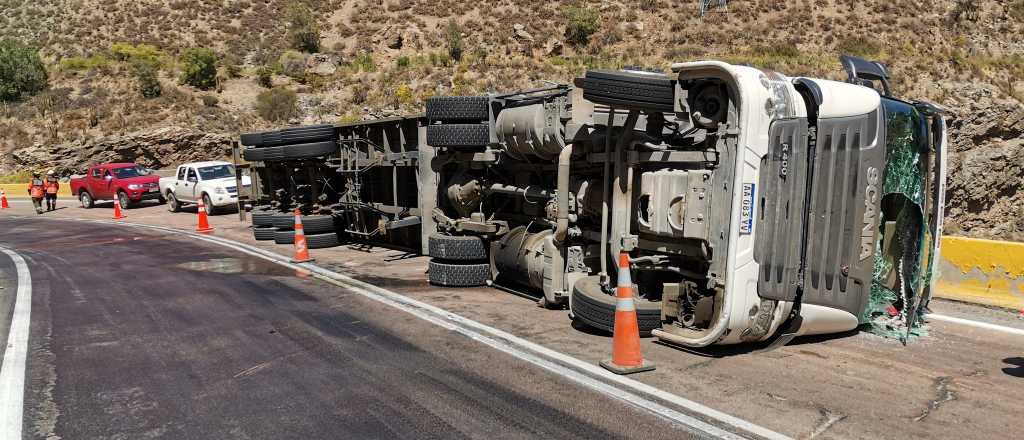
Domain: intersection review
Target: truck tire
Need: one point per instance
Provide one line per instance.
(630, 90)
(317, 224)
(442, 273)
(283, 221)
(596, 309)
(262, 218)
(458, 135)
(284, 236)
(321, 241)
(458, 108)
(263, 233)
(86, 199)
(253, 154)
(296, 135)
(208, 204)
(456, 247)
(172, 202)
(290, 152)
(123, 198)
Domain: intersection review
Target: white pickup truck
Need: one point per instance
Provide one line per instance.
(213, 182)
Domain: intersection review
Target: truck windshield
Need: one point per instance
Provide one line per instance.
(129, 172)
(217, 172)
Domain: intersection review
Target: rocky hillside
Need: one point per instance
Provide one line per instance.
(383, 57)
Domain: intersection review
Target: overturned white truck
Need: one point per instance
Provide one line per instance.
(755, 207)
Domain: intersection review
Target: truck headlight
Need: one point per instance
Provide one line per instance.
(219, 190)
(134, 186)
(779, 104)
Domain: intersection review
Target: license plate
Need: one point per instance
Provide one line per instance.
(747, 209)
(153, 190)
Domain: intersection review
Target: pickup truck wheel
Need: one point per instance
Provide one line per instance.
(458, 108)
(208, 204)
(630, 90)
(458, 135)
(86, 199)
(172, 203)
(595, 309)
(287, 136)
(123, 198)
(458, 274)
(456, 247)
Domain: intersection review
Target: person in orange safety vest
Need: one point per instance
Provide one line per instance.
(52, 186)
(37, 190)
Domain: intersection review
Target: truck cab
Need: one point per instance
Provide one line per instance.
(212, 182)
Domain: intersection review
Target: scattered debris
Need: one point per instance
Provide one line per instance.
(825, 421)
(943, 395)
(779, 398)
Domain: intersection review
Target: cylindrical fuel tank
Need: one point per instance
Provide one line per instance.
(531, 131)
(520, 256)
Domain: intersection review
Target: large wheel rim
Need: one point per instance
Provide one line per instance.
(172, 202)
(123, 198)
(207, 204)
(84, 199)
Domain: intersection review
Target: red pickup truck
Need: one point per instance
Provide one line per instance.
(130, 183)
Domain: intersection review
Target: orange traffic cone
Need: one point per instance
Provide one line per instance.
(626, 357)
(118, 215)
(203, 227)
(3, 200)
(301, 250)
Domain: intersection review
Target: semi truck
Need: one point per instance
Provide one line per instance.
(754, 206)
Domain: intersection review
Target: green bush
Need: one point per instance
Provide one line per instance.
(277, 104)
(265, 76)
(142, 52)
(581, 23)
(147, 75)
(209, 100)
(97, 62)
(303, 29)
(777, 49)
(1016, 9)
(364, 62)
(293, 64)
(402, 62)
(859, 46)
(21, 71)
(453, 37)
(199, 68)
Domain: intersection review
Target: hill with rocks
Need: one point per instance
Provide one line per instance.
(116, 70)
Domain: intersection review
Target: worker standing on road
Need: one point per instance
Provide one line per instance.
(52, 186)
(36, 190)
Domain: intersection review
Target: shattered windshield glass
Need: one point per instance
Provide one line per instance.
(898, 280)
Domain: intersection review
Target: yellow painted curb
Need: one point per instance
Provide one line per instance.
(20, 190)
(979, 271)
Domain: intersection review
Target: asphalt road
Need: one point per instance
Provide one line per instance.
(140, 334)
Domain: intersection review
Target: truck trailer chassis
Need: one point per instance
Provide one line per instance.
(755, 207)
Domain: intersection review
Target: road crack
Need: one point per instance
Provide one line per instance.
(943, 394)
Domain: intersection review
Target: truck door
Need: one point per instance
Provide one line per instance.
(94, 181)
(191, 182)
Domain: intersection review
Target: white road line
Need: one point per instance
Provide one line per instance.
(979, 324)
(12, 373)
(591, 376)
